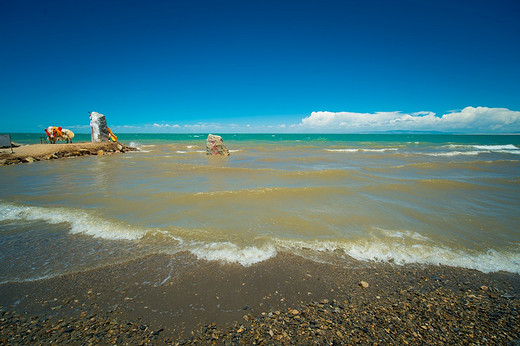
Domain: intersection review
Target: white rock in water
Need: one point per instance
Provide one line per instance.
(215, 146)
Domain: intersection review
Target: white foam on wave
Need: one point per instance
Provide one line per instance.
(487, 148)
(515, 152)
(343, 150)
(140, 147)
(456, 153)
(380, 150)
(473, 150)
(353, 150)
(491, 261)
(395, 246)
(31, 279)
(80, 222)
(496, 147)
(422, 251)
(135, 145)
(231, 253)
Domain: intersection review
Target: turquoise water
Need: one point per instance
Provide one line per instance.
(32, 138)
(425, 199)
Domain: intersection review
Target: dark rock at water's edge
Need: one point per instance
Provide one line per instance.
(215, 146)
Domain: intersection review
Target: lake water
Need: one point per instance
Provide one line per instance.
(425, 199)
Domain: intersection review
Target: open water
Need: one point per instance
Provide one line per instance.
(426, 199)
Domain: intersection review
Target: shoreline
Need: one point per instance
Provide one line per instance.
(164, 299)
(39, 152)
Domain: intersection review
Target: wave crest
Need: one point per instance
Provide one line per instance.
(80, 221)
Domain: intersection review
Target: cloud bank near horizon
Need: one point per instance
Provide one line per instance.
(468, 120)
(483, 120)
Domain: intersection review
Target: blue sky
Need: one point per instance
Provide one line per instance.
(261, 66)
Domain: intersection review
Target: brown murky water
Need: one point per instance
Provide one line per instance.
(431, 200)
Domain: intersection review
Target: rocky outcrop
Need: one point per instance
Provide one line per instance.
(215, 146)
(41, 152)
(99, 128)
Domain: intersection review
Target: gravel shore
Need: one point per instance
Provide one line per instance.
(437, 317)
(177, 299)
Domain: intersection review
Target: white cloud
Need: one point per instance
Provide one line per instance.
(470, 119)
(203, 127)
(76, 127)
(484, 119)
(166, 126)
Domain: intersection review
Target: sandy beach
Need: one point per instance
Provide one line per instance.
(37, 152)
(169, 299)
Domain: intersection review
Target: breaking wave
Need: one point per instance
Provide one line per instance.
(231, 253)
(460, 149)
(353, 150)
(486, 147)
(421, 251)
(455, 153)
(80, 221)
(399, 247)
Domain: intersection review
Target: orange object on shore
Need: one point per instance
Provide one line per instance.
(57, 131)
(112, 136)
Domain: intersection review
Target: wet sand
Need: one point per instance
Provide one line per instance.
(37, 152)
(164, 299)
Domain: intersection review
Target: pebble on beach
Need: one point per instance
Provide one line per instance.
(438, 317)
(418, 316)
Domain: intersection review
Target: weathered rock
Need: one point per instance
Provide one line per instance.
(364, 284)
(215, 146)
(100, 152)
(99, 128)
(29, 159)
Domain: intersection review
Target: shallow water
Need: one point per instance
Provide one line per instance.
(432, 199)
